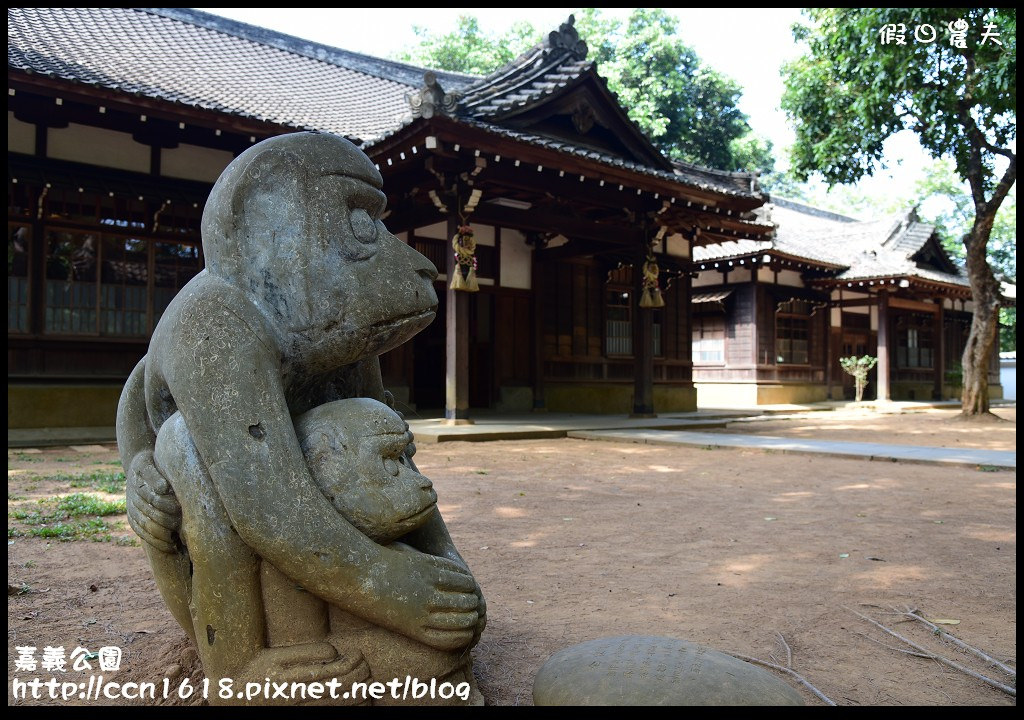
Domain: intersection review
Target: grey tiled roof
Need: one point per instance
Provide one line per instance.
(863, 249)
(207, 62)
(204, 61)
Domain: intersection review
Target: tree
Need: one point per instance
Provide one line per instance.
(687, 109)
(858, 367)
(852, 90)
(468, 49)
(947, 204)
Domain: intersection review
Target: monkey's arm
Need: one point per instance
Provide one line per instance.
(153, 512)
(224, 373)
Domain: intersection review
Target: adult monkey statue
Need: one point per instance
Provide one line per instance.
(304, 288)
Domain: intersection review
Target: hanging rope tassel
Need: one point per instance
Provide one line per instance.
(651, 297)
(464, 276)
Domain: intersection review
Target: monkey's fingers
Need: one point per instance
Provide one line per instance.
(162, 509)
(454, 602)
(148, 474)
(152, 534)
(446, 639)
(455, 621)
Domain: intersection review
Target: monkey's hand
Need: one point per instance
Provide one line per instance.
(431, 599)
(153, 511)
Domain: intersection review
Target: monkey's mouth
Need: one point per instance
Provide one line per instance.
(416, 518)
(408, 319)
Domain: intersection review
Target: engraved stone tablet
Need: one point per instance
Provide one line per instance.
(639, 670)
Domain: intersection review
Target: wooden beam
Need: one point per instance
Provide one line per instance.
(917, 305)
(549, 222)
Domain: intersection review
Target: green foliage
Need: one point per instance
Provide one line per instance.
(1007, 329)
(70, 517)
(947, 203)
(112, 483)
(468, 49)
(850, 92)
(858, 367)
(687, 109)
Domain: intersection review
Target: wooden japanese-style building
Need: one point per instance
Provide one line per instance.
(120, 120)
(772, 318)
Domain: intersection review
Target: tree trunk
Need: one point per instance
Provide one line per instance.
(985, 325)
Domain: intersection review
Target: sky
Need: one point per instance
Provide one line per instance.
(747, 44)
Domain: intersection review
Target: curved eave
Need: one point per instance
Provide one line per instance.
(886, 282)
(594, 166)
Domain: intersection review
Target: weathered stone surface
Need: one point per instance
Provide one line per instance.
(286, 524)
(642, 670)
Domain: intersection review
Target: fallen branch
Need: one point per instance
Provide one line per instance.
(894, 649)
(913, 614)
(789, 653)
(796, 676)
(939, 658)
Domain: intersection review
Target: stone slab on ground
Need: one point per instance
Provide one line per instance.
(645, 670)
(963, 457)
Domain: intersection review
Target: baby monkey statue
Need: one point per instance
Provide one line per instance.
(288, 529)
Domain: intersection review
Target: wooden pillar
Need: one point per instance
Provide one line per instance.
(537, 311)
(643, 343)
(883, 345)
(939, 350)
(456, 396)
(828, 348)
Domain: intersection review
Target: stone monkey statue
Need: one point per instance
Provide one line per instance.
(359, 452)
(304, 288)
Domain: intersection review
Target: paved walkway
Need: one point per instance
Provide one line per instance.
(1003, 459)
(669, 428)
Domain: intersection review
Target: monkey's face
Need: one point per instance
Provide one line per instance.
(295, 222)
(359, 452)
(376, 487)
(376, 287)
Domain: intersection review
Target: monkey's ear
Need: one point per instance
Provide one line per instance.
(268, 195)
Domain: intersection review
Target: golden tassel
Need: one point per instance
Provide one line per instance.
(458, 283)
(471, 283)
(645, 299)
(656, 299)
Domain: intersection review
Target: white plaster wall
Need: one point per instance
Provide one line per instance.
(484, 234)
(516, 259)
(677, 246)
(708, 277)
(21, 136)
(874, 317)
(765, 275)
(97, 146)
(791, 278)
(1008, 378)
(192, 162)
(835, 317)
(437, 231)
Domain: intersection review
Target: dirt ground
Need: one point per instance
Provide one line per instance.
(573, 540)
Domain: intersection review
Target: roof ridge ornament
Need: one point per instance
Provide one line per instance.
(431, 99)
(566, 40)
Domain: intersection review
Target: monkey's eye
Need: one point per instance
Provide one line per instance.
(390, 466)
(363, 226)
